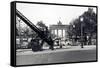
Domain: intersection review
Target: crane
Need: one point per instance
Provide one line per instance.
(40, 33)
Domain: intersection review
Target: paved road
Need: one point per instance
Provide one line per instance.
(70, 54)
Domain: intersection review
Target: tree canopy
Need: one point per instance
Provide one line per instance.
(88, 24)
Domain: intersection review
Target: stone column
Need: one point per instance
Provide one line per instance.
(54, 31)
(62, 33)
(57, 33)
(65, 33)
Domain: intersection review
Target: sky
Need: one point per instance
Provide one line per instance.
(51, 14)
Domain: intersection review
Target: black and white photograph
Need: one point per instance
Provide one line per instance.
(54, 33)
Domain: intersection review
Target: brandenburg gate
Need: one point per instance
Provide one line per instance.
(59, 30)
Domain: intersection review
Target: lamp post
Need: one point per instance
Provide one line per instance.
(81, 20)
(73, 35)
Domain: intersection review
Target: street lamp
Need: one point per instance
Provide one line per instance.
(73, 37)
(81, 20)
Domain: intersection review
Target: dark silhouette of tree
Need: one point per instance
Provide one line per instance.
(41, 25)
(89, 24)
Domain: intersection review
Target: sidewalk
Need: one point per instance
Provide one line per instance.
(47, 50)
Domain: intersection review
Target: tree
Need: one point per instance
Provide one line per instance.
(41, 25)
(88, 24)
(43, 28)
